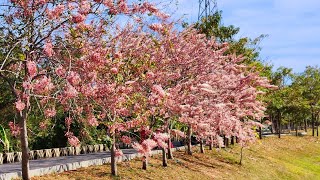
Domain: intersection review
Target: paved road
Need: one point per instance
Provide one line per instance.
(42, 163)
(60, 164)
(66, 163)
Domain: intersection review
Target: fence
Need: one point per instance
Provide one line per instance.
(12, 157)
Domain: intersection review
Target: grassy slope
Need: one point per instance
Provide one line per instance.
(272, 158)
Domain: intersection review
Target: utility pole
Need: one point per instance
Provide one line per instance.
(206, 8)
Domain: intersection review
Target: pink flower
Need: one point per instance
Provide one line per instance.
(96, 57)
(50, 112)
(156, 27)
(20, 105)
(161, 139)
(161, 136)
(118, 55)
(32, 68)
(78, 18)
(73, 78)
(43, 126)
(150, 75)
(114, 70)
(48, 50)
(126, 139)
(60, 71)
(108, 3)
(124, 112)
(123, 6)
(68, 122)
(162, 15)
(158, 89)
(162, 144)
(118, 153)
(145, 147)
(40, 2)
(151, 8)
(85, 7)
(56, 12)
(73, 141)
(177, 132)
(15, 129)
(43, 85)
(26, 85)
(92, 121)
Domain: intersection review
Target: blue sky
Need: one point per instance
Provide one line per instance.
(292, 26)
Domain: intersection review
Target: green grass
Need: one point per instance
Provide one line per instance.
(271, 158)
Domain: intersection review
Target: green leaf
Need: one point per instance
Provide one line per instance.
(4, 140)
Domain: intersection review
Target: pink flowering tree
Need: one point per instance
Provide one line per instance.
(66, 54)
(108, 81)
(212, 93)
(74, 56)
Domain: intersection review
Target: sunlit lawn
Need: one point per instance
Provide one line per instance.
(271, 158)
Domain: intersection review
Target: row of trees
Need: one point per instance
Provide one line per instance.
(140, 81)
(296, 102)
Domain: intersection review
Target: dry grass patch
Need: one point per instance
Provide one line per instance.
(272, 158)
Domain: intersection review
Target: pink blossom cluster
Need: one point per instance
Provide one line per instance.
(48, 49)
(145, 147)
(73, 140)
(177, 132)
(20, 105)
(161, 139)
(15, 129)
(92, 121)
(50, 112)
(126, 139)
(118, 153)
(32, 68)
(42, 85)
(55, 12)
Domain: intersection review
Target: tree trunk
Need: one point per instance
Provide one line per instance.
(144, 163)
(272, 124)
(305, 125)
(279, 123)
(260, 133)
(201, 146)
(114, 170)
(317, 124)
(241, 155)
(312, 121)
(170, 155)
(24, 145)
(164, 158)
(189, 147)
(297, 129)
(232, 140)
(226, 141)
(211, 143)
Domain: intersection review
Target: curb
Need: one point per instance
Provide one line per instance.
(77, 165)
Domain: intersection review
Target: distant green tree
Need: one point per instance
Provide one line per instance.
(310, 81)
(297, 105)
(278, 99)
(249, 48)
